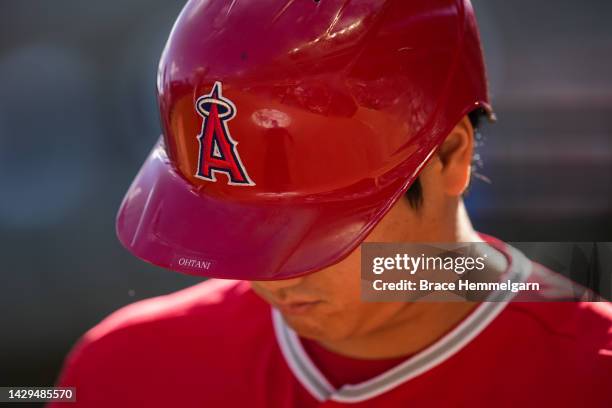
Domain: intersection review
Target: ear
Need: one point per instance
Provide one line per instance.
(455, 156)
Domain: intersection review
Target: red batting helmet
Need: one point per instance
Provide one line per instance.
(291, 127)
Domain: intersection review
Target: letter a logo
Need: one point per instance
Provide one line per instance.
(217, 148)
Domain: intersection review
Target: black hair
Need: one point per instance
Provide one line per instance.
(414, 195)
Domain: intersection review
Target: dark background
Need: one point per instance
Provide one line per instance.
(78, 116)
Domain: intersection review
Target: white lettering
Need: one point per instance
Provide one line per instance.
(194, 263)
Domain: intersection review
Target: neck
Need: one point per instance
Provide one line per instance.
(411, 327)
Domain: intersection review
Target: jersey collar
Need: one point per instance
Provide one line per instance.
(313, 380)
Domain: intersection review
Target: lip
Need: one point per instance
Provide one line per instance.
(297, 308)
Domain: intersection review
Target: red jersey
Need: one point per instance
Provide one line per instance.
(219, 344)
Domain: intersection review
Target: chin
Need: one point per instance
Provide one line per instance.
(315, 329)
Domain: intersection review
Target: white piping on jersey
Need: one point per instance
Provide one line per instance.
(298, 361)
(313, 380)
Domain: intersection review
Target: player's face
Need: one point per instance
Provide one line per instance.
(326, 305)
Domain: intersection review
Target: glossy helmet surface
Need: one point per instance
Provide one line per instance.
(291, 127)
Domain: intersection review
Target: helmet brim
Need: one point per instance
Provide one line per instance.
(165, 221)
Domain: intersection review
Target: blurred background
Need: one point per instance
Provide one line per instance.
(78, 116)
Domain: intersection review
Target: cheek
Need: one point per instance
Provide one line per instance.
(342, 283)
(347, 315)
(343, 309)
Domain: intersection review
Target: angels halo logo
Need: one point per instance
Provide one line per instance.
(217, 150)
